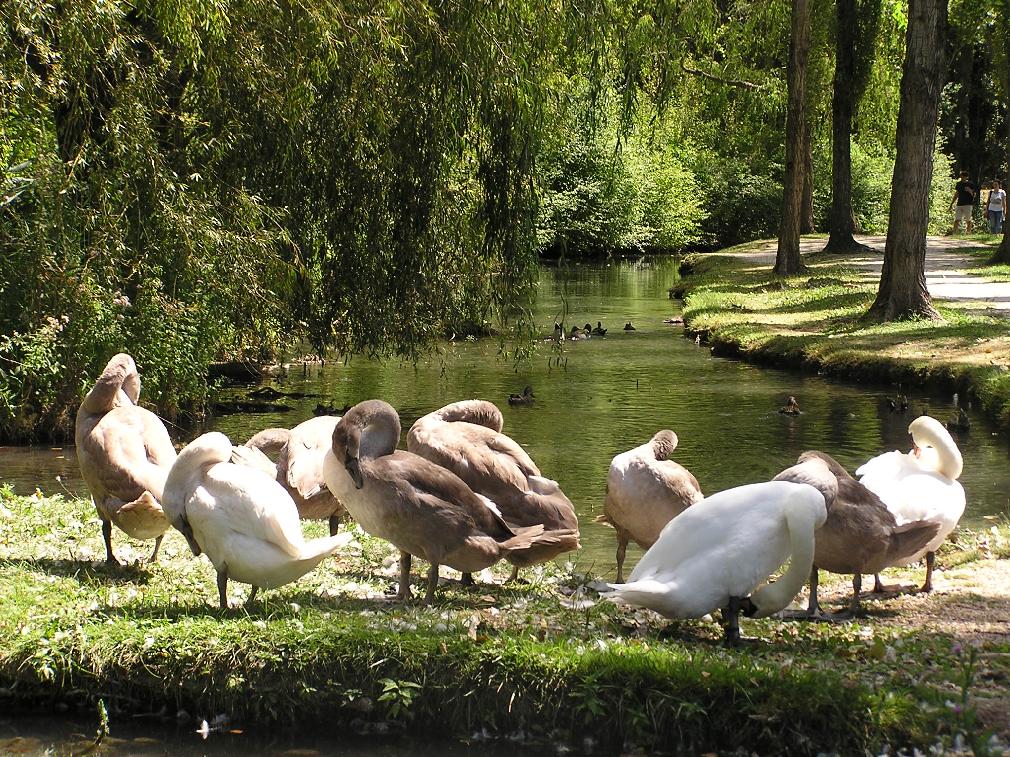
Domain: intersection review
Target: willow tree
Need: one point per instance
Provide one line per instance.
(902, 292)
(856, 27)
(202, 180)
(787, 258)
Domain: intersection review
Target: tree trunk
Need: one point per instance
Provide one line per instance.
(1002, 254)
(841, 224)
(902, 292)
(807, 207)
(787, 259)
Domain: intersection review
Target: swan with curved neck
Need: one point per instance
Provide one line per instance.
(717, 552)
(299, 469)
(243, 520)
(645, 489)
(859, 536)
(124, 453)
(424, 509)
(920, 485)
(465, 437)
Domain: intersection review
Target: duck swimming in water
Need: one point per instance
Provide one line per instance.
(125, 453)
(599, 330)
(526, 398)
(792, 407)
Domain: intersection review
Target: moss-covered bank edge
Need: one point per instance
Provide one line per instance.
(678, 699)
(733, 335)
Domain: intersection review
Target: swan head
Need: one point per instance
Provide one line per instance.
(928, 432)
(664, 443)
(815, 472)
(368, 430)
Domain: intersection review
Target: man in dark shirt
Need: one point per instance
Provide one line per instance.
(964, 195)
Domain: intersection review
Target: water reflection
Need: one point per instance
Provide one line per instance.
(35, 736)
(614, 393)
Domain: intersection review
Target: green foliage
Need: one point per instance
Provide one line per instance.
(602, 195)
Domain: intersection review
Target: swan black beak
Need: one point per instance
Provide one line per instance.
(354, 470)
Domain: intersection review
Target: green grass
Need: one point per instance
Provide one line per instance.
(548, 658)
(815, 321)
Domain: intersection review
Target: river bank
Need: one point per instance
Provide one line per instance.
(811, 321)
(545, 662)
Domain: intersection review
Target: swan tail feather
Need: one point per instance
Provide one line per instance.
(909, 539)
(325, 546)
(545, 546)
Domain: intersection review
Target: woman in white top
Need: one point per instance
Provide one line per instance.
(997, 207)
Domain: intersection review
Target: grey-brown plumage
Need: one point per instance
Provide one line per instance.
(860, 535)
(299, 468)
(465, 437)
(422, 508)
(645, 490)
(125, 453)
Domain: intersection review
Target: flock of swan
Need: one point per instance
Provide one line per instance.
(465, 495)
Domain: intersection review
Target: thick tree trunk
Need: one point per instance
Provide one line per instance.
(841, 224)
(807, 207)
(902, 292)
(787, 260)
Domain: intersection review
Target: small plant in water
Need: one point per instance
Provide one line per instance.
(103, 723)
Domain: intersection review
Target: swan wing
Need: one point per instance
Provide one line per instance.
(249, 501)
(305, 451)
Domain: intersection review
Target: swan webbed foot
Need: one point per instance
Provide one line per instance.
(157, 546)
(467, 580)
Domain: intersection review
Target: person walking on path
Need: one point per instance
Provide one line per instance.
(996, 207)
(964, 195)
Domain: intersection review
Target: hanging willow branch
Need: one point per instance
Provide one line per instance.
(722, 80)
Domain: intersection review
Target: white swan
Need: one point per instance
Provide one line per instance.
(920, 485)
(645, 489)
(299, 468)
(241, 517)
(466, 438)
(716, 553)
(124, 452)
(422, 508)
(860, 535)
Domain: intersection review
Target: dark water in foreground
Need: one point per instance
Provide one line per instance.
(35, 736)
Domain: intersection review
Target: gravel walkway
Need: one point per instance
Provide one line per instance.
(945, 264)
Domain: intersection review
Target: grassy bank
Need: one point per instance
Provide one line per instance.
(546, 662)
(812, 321)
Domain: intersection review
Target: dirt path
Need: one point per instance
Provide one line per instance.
(945, 264)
